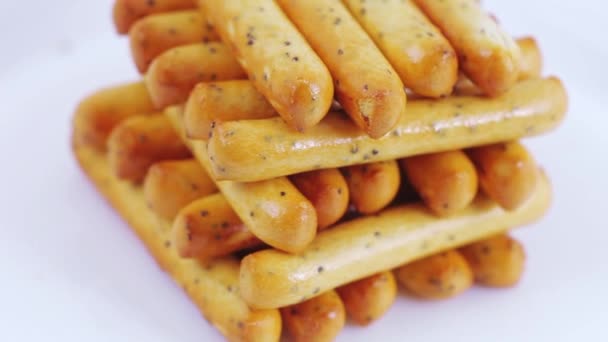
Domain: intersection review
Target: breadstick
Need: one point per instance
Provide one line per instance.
(171, 185)
(127, 12)
(100, 112)
(250, 150)
(278, 60)
(497, 262)
(212, 286)
(423, 58)
(438, 276)
(507, 172)
(319, 319)
(274, 210)
(327, 191)
(366, 85)
(368, 299)
(531, 63)
(446, 181)
(364, 246)
(373, 186)
(223, 101)
(487, 54)
(155, 34)
(530, 66)
(208, 228)
(173, 74)
(139, 142)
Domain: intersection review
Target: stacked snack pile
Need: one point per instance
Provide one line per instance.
(289, 162)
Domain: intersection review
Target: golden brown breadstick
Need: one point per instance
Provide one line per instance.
(318, 319)
(497, 261)
(368, 299)
(127, 12)
(223, 101)
(209, 228)
(100, 112)
(250, 150)
(278, 60)
(423, 58)
(373, 186)
(366, 85)
(274, 210)
(438, 276)
(446, 181)
(155, 34)
(371, 244)
(139, 142)
(531, 63)
(171, 185)
(487, 54)
(327, 191)
(173, 74)
(212, 286)
(530, 66)
(507, 172)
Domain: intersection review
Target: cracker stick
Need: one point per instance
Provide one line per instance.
(530, 66)
(259, 149)
(446, 181)
(531, 63)
(319, 319)
(274, 210)
(438, 276)
(327, 191)
(507, 172)
(209, 228)
(497, 261)
(278, 60)
(155, 34)
(174, 74)
(364, 246)
(487, 54)
(423, 58)
(223, 101)
(171, 185)
(373, 186)
(139, 142)
(212, 286)
(366, 85)
(100, 112)
(127, 12)
(368, 299)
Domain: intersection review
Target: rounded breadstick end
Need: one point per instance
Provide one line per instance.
(262, 325)
(446, 181)
(319, 319)
(260, 289)
(507, 172)
(368, 299)
(496, 262)
(327, 190)
(439, 276)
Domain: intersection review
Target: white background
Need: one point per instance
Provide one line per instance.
(70, 270)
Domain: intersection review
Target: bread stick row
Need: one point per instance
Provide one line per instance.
(239, 100)
(214, 285)
(367, 245)
(250, 150)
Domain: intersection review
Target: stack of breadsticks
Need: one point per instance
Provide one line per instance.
(289, 162)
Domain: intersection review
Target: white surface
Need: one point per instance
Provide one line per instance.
(73, 271)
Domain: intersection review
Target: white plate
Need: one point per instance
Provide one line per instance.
(73, 271)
